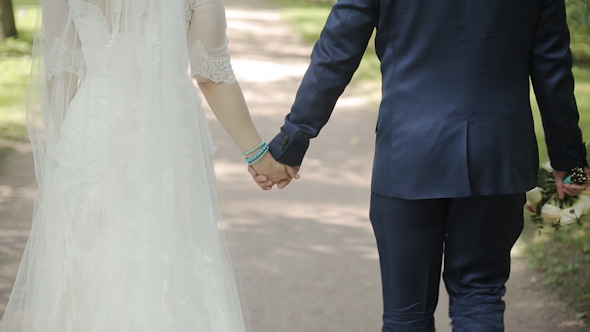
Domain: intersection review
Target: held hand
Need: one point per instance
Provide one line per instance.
(266, 184)
(261, 180)
(293, 173)
(265, 181)
(568, 188)
(274, 170)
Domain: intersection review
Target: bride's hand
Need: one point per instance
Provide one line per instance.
(268, 172)
(261, 180)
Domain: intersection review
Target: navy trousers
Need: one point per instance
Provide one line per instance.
(474, 234)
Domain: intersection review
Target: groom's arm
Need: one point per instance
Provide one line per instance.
(553, 82)
(334, 59)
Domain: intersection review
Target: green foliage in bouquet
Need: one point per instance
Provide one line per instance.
(547, 208)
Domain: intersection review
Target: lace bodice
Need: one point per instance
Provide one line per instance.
(94, 42)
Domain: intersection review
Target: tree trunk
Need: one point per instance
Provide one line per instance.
(7, 26)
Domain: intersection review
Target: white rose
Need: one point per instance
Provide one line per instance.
(584, 201)
(568, 216)
(551, 213)
(533, 197)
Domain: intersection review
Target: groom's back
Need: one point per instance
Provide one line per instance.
(456, 93)
(455, 119)
(451, 48)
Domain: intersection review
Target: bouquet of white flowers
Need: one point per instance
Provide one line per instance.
(546, 206)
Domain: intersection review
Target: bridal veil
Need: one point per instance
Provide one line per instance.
(124, 236)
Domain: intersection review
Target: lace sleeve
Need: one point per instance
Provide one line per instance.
(62, 49)
(215, 68)
(61, 58)
(210, 59)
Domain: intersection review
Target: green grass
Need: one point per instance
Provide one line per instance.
(306, 19)
(15, 66)
(582, 91)
(581, 46)
(21, 3)
(565, 265)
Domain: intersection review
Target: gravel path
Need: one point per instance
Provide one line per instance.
(306, 255)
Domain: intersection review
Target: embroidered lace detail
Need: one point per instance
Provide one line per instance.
(92, 31)
(89, 20)
(217, 69)
(61, 58)
(190, 7)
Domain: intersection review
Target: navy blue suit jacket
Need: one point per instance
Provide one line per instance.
(455, 119)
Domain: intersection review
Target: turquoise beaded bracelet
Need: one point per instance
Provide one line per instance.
(263, 143)
(258, 156)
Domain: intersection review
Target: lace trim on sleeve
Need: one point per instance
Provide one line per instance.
(62, 59)
(190, 8)
(217, 69)
(192, 4)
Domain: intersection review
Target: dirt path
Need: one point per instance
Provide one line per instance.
(306, 255)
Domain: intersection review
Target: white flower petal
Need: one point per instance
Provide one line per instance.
(534, 196)
(578, 208)
(586, 203)
(568, 216)
(551, 213)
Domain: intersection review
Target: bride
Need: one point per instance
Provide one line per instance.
(124, 235)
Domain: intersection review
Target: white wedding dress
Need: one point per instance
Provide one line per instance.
(125, 234)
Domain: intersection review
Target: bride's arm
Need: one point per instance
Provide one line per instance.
(210, 66)
(64, 63)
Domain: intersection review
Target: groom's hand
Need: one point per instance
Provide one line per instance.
(569, 189)
(293, 172)
(269, 172)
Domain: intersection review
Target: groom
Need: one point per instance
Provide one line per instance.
(455, 147)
